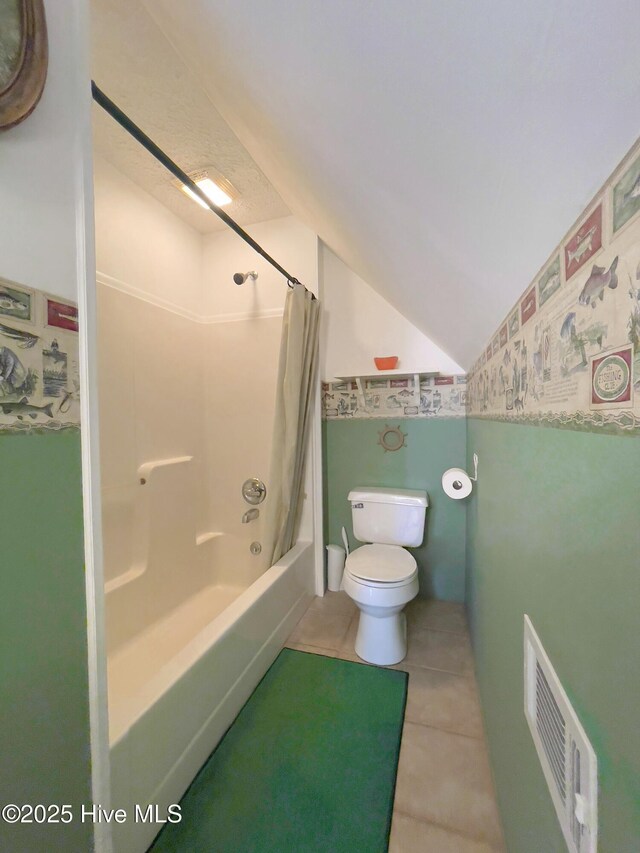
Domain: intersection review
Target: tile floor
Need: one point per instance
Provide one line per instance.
(444, 799)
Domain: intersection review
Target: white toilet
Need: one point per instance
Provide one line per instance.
(382, 577)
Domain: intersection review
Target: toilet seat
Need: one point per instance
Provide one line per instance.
(381, 565)
(381, 585)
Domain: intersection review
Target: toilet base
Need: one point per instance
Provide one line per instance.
(381, 639)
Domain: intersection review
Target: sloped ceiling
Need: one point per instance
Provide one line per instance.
(133, 62)
(441, 149)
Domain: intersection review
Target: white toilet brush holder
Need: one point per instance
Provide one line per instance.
(335, 567)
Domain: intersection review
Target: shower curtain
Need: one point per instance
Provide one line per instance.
(294, 397)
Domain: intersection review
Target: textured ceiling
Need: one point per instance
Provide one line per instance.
(440, 148)
(135, 65)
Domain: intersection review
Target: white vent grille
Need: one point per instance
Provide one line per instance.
(567, 758)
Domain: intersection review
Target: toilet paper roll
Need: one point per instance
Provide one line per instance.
(456, 483)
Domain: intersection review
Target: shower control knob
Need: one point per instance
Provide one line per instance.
(254, 491)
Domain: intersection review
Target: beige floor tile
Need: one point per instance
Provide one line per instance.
(445, 778)
(443, 650)
(324, 628)
(439, 650)
(439, 615)
(414, 836)
(347, 649)
(314, 650)
(333, 602)
(443, 700)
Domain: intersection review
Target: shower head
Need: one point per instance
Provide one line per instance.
(241, 277)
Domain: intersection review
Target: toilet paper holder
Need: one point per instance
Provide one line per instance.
(457, 484)
(474, 479)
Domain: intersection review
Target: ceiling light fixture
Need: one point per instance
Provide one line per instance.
(213, 185)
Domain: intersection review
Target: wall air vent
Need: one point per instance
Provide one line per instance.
(567, 758)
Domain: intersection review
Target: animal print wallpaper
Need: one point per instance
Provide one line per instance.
(39, 371)
(568, 354)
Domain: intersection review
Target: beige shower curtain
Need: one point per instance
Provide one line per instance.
(294, 399)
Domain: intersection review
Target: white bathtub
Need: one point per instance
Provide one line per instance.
(167, 715)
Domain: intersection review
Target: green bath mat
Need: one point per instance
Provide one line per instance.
(309, 765)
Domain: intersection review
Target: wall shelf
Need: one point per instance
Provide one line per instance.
(387, 374)
(361, 378)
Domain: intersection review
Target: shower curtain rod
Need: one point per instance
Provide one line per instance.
(123, 119)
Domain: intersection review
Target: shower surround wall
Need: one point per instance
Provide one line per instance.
(188, 366)
(243, 329)
(151, 378)
(553, 524)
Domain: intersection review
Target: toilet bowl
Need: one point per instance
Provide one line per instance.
(382, 577)
(381, 580)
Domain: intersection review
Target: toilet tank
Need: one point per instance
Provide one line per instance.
(388, 516)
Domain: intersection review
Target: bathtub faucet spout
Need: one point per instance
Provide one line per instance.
(250, 514)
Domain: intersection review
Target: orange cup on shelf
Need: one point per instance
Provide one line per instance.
(387, 362)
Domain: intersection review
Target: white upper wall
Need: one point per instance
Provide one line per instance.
(438, 148)
(148, 251)
(358, 324)
(143, 245)
(43, 162)
(151, 252)
(287, 240)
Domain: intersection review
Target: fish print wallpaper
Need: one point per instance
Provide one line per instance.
(434, 397)
(571, 353)
(39, 370)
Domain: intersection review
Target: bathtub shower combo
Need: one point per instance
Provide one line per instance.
(187, 644)
(197, 609)
(192, 625)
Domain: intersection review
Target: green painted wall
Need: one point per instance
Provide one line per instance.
(352, 457)
(44, 730)
(553, 531)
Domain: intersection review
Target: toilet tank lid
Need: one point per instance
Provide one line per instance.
(374, 494)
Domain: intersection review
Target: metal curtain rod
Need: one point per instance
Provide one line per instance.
(116, 113)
